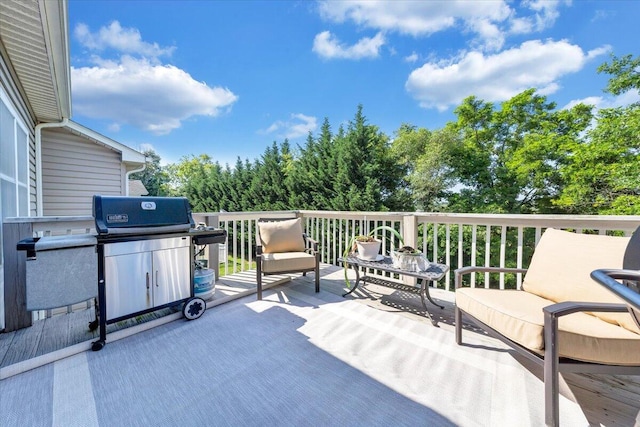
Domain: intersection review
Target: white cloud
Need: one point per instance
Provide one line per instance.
(328, 46)
(599, 102)
(125, 40)
(497, 77)
(139, 91)
(416, 18)
(411, 58)
(155, 98)
(298, 125)
(420, 18)
(490, 21)
(544, 15)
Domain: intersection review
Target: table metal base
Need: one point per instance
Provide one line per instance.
(434, 273)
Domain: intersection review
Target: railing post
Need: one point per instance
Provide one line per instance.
(213, 260)
(16, 315)
(410, 238)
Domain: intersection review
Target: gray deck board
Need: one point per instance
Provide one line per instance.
(55, 334)
(611, 399)
(24, 344)
(5, 343)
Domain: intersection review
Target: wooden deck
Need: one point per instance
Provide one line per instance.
(609, 399)
(64, 331)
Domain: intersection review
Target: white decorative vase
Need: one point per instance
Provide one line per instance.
(368, 250)
(409, 262)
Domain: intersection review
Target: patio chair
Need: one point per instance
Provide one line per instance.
(560, 318)
(282, 248)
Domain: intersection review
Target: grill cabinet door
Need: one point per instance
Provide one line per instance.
(171, 275)
(128, 283)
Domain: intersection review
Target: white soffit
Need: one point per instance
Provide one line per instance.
(34, 36)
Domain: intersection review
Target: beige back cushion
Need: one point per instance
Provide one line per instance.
(561, 266)
(281, 236)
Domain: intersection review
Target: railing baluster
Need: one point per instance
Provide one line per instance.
(503, 250)
(519, 257)
(435, 242)
(242, 243)
(448, 256)
(460, 252)
(229, 238)
(333, 234)
(325, 230)
(474, 232)
(487, 255)
(252, 225)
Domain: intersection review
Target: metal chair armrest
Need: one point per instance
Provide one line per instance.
(567, 307)
(312, 244)
(607, 278)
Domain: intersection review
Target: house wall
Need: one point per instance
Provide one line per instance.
(18, 113)
(75, 168)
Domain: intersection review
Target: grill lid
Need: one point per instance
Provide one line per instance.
(141, 215)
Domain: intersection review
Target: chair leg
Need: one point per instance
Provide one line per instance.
(317, 272)
(259, 279)
(551, 386)
(458, 321)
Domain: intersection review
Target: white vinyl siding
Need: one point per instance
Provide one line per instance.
(75, 168)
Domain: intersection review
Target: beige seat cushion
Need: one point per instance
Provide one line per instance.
(287, 261)
(281, 236)
(561, 266)
(518, 316)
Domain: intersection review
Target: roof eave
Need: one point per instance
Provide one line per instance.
(55, 27)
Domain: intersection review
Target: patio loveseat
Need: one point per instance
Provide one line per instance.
(560, 318)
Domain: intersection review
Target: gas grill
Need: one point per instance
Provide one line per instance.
(145, 261)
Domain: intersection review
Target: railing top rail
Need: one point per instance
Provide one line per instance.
(235, 216)
(357, 215)
(610, 222)
(625, 222)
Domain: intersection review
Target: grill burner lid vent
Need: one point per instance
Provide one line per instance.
(135, 215)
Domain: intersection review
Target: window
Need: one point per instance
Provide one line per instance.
(14, 165)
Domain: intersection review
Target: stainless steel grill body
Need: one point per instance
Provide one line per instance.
(145, 256)
(144, 274)
(142, 259)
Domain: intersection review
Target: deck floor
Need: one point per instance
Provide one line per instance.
(610, 399)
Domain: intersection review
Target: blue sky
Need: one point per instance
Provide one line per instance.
(227, 78)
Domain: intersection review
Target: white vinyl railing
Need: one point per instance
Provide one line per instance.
(454, 239)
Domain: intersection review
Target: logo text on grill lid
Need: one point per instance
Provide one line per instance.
(118, 218)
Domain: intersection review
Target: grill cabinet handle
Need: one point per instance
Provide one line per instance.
(157, 285)
(147, 280)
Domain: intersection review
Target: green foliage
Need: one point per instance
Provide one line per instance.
(603, 176)
(424, 156)
(154, 177)
(625, 72)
